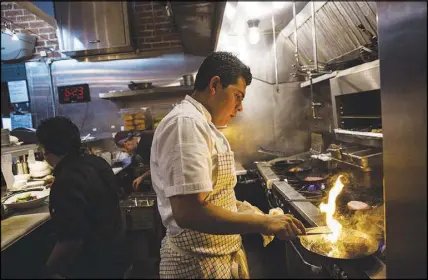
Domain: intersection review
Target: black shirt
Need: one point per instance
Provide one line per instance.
(145, 145)
(84, 204)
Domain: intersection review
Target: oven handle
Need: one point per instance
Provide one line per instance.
(314, 268)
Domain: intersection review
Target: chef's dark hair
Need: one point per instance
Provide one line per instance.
(59, 136)
(225, 65)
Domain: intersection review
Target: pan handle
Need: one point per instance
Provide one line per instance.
(315, 269)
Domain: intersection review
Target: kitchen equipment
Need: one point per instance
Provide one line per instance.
(5, 140)
(317, 231)
(312, 176)
(353, 245)
(188, 80)
(41, 197)
(139, 212)
(138, 86)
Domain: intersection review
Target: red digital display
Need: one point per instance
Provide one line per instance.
(74, 94)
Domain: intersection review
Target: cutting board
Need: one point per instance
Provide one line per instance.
(13, 228)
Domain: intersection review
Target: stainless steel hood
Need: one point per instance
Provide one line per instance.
(364, 77)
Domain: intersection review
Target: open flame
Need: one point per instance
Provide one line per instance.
(330, 208)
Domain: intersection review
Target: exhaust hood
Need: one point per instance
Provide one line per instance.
(92, 28)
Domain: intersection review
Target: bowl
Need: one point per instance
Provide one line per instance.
(41, 198)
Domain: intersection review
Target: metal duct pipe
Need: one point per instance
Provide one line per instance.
(314, 37)
(275, 57)
(296, 53)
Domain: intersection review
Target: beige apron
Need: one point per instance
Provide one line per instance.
(197, 255)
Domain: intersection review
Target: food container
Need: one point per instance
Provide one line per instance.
(188, 80)
(159, 111)
(136, 118)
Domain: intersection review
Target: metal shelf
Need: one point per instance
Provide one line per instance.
(18, 150)
(146, 92)
(360, 117)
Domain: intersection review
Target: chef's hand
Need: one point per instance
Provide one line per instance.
(49, 182)
(285, 227)
(137, 182)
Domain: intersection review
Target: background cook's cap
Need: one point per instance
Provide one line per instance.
(122, 136)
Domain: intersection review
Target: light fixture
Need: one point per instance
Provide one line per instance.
(14, 36)
(230, 11)
(254, 35)
(278, 5)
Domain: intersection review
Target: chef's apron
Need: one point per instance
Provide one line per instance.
(197, 255)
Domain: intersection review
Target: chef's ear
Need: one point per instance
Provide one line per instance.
(214, 83)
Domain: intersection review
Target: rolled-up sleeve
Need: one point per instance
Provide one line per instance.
(184, 155)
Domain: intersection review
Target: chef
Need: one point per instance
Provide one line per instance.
(136, 144)
(193, 174)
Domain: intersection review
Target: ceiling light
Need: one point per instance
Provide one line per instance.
(230, 11)
(254, 35)
(278, 5)
(14, 36)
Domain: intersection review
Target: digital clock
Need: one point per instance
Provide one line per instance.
(74, 94)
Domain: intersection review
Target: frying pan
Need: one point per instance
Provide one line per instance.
(356, 245)
(304, 174)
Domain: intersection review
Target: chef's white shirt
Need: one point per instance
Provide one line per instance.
(183, 156)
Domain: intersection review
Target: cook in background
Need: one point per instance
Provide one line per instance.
(137, 144)
(194, 178)
(84, 207)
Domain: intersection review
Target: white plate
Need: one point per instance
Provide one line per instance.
(33, 184)
(41, 197)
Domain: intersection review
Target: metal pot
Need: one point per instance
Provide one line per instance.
(188, 80)
(356, 245)
(137, 86)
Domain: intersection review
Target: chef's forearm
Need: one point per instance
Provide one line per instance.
(216, 220)
(62, 255)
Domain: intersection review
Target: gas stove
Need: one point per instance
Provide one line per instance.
(281, 189)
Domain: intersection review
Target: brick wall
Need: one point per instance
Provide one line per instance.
(27, 22)
(153, 29)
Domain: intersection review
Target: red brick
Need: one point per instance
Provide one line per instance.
(52, 36)
(142, 3)
(46, 30)
(145, 33)
(145, 46)
(142, 21)
(25, 18)
(38, 24)
(144, 14)
(163, 31)
(6, 6)
(161, 45)
(153, 39)
(52, 42)
(40, 43)
(12, 13)
(176, 44)
(149, 26)
(161, 12)
(171, 37)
